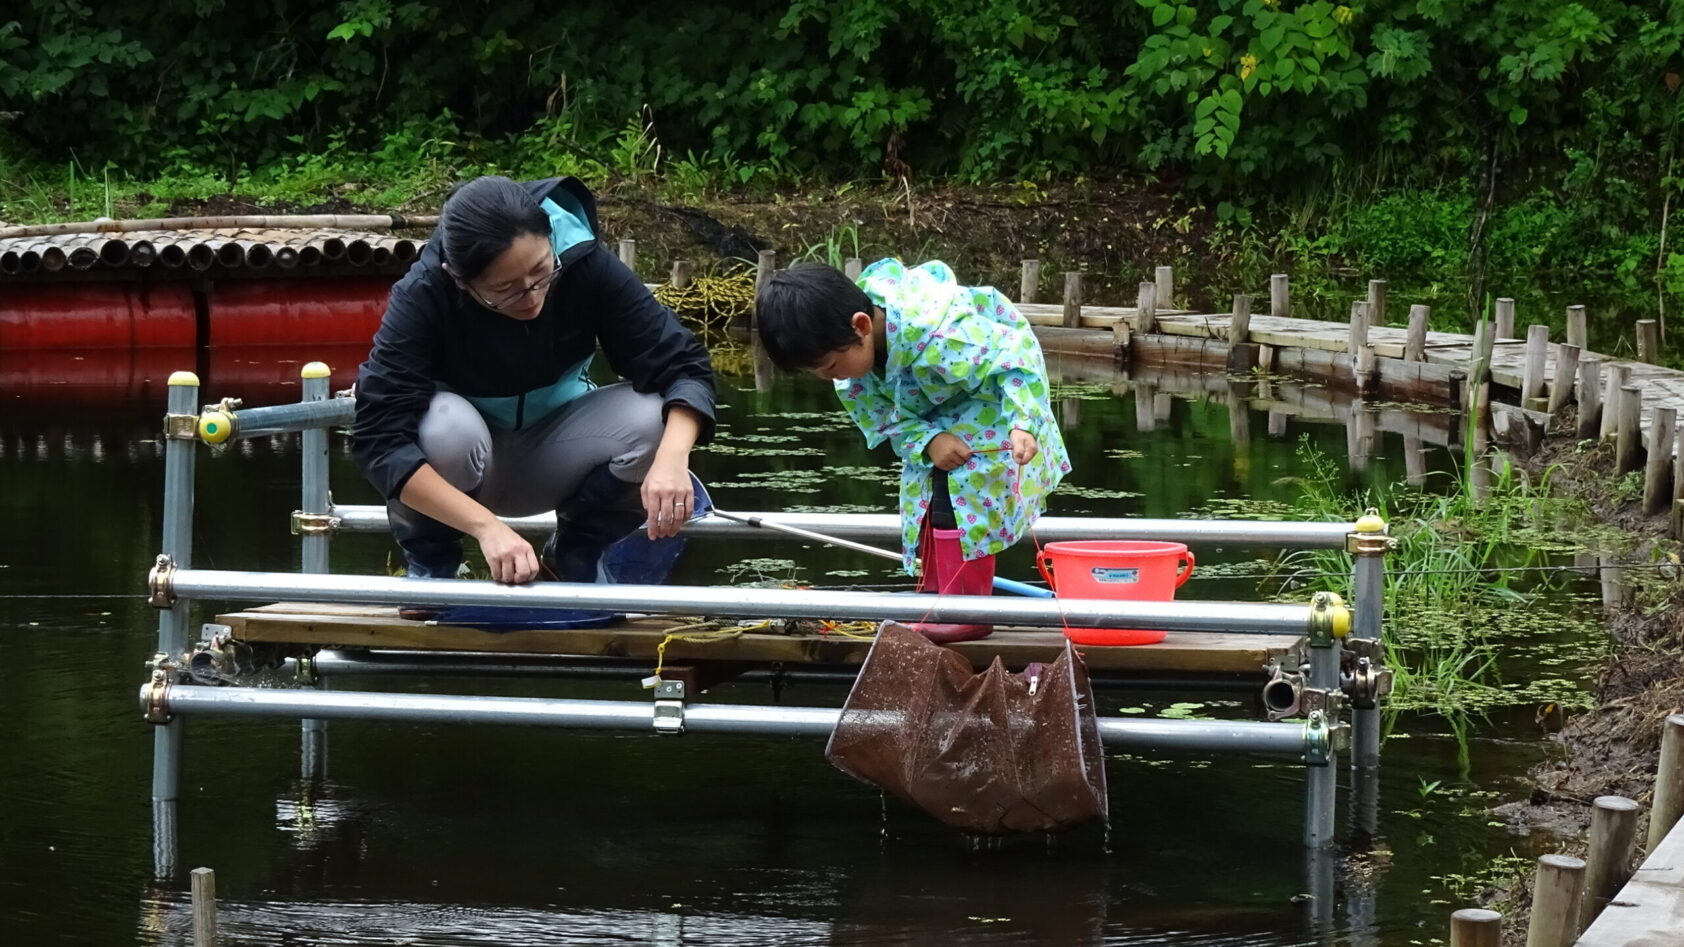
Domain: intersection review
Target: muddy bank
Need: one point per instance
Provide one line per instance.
(1613, 748)
(1113, 232)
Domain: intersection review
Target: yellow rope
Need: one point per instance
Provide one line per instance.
(695, 634)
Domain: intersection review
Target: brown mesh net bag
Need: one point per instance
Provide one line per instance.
(991, 753)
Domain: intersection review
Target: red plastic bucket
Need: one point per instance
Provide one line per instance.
(1124, 569)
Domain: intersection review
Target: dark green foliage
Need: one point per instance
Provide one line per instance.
(1228, 91)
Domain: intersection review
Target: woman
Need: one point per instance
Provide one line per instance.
(476, 401)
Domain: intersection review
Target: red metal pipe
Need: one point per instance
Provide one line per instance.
(97, 316)
(291, 312)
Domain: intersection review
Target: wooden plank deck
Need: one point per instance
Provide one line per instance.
(1662, 387)
(1649, 910)
(373, 626)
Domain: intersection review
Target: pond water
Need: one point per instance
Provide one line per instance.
(456, 835)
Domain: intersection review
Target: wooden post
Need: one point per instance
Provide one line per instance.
(1613, 829)
(1414, 460)
(1277, 423)
(680, 278)
(1648, 341)
(1669, 782)
(1482, 330)
(1030, 289)
(1476, 927)
(1590, 398)
(1629, 432)
(1280, 303)
(1678, 482)
(1164, 277)
(204, 907)
(1359, 328)
(1239, 421)
(1611, 394)
(1070, 413)
(1561, 379)
(1073, 300)
(1239, 324)
(1576, 327)
(1503, 318)
(1145, 396)
(764, 267)
(1376, 302)
(1537, 351)
(853, 268)
(1363, 370)
(1147, 305)
(1555, 902)
(1657, 471)
(628, 254)
(1415, 344)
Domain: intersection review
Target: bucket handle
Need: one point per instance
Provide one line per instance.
(1043, 562)
(1182, 576)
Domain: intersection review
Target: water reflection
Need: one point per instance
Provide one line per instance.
(441, 835)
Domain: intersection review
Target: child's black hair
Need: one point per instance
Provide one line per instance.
(805, 312)
(481, 218)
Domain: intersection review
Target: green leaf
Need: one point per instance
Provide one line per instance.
(1517, 115)
(1220, 23)
(344, 31)
(1163, 14)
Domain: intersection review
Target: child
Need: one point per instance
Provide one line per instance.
(952, 377)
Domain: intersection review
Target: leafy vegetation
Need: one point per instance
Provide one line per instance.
(1460, 586)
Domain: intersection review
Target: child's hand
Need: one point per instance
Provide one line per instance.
(1024, 447)
(947, 451)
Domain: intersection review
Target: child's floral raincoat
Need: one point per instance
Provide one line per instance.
(963, 360)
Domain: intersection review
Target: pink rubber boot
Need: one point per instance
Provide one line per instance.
(947, 572)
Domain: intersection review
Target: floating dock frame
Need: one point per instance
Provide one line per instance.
(1313, 660)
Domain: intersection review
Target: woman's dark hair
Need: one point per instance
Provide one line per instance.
(805, 312)
(481, 218)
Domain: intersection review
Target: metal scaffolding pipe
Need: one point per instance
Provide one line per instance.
(329, 663)
(1192, 736)
(884, 527)
(1240, 617)
(288, 418)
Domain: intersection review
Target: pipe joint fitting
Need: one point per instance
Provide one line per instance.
(1369, 536)
(669, 708)
(1330, 619)
(181, 427)
(160, 582)
(314, 524)
(1282, 693)
(154, 698)
(1368, 680)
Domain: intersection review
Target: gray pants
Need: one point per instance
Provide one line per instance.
(534, 470)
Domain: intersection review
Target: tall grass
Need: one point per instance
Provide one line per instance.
(1459, 559)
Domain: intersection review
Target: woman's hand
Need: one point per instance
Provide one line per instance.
(511, 558)
(947, 451)
(1024, 447)
(668, 496)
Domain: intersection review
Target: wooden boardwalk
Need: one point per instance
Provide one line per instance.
(1325, 348)
(1649, 910)
(370, 626)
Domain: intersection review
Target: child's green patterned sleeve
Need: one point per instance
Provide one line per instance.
(879, 419)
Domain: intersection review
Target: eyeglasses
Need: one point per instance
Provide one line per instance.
(542, 284)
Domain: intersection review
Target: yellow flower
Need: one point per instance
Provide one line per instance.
(1248, 65)
(1342, 14)
(1208, 51)
(1271, 4)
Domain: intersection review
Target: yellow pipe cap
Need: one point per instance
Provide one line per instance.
(315, 370)
(215, 427)
(184, 380)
